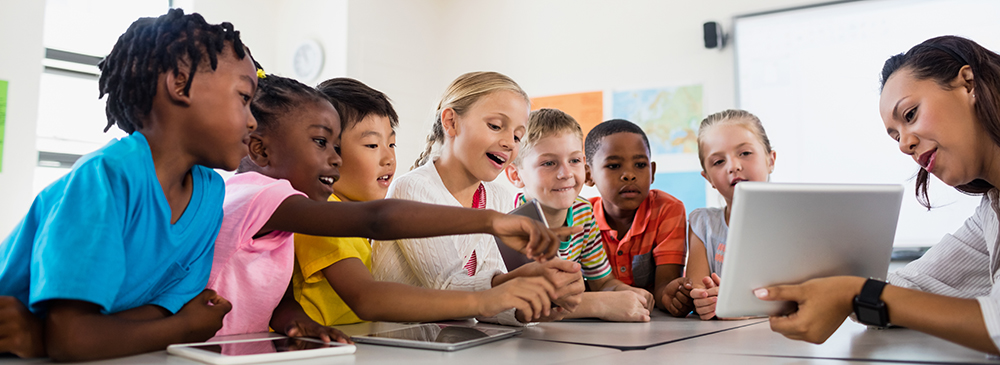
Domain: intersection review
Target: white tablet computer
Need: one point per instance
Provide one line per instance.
(511, 258)
(247, 351)
(790, 233)
(437, 336)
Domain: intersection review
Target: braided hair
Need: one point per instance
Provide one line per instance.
(152, 46)
(277, 96)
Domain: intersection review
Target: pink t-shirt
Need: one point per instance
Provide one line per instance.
(252, 273)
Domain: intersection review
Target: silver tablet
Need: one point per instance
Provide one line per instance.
(437, 336)
(511, 258)
(790, 233)
(246, 351)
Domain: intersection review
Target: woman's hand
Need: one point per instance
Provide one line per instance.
(823, 304)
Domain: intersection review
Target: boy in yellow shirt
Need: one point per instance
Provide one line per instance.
(332, 278)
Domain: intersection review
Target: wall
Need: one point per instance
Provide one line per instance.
(412, 49)
(20, 65)
(274, 29)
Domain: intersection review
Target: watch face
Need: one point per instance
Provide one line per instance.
(308, 61)
(868, 315)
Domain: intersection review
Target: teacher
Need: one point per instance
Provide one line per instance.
(941, 103)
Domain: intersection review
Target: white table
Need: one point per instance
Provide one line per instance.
(852, 341)
(661, 329)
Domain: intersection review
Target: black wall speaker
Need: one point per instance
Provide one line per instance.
(713, 35)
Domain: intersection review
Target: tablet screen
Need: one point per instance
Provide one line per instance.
(263, 346)
(440, 333)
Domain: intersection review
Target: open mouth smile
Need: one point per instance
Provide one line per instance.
(497, 158)
(329, 180)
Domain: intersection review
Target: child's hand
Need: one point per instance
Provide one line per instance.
(204, 315)
(557, 314)
(650, 302)
(310, 328)
(626, 306)
(705, 299)
(677, 297)
(531, 237)
(566, 277)
(20, 330)
(531, 296)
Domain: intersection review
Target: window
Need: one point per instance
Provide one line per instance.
(71, 118)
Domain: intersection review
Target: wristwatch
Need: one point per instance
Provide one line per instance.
(868, 307)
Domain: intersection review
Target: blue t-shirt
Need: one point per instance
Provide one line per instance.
(102, 234)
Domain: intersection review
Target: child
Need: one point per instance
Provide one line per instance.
(732, 147)
(643, 230)
(293, 155)
(550, 168)
(111, 258)
(479, 122)
(332, 280)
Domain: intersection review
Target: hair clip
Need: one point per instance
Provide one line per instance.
(260, 73)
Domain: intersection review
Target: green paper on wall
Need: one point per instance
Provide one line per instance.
(3, 115)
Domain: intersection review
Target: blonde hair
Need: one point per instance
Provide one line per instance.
(543, 123)
(465, 91)
(732, 116)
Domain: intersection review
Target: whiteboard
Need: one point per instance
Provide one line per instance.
(811, 75)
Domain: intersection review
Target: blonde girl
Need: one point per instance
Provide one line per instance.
(732, 147)
(478, 125)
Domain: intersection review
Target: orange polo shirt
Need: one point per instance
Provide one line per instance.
(655, 238)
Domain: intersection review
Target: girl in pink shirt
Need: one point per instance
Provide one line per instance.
(283, 188)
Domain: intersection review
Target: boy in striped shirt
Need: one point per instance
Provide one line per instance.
(550, 168)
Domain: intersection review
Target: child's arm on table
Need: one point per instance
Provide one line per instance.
(703, 289)
(395, 218)
(77, 330)
(20, 330)
(609, 283)
(374, 300)
(615, 306)
(678, 298)
(290, 319)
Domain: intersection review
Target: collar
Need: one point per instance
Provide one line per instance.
(642, 215)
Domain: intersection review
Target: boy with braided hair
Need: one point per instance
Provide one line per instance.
(112, 259)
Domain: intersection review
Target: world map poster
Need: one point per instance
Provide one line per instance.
(670, 117)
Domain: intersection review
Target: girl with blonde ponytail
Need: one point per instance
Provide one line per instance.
(478, 125)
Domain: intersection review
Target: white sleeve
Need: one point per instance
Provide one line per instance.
(990, 307)
(957, 266)
(437, 262)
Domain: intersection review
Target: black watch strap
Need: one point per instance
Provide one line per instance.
(868, 305)
(871, 292)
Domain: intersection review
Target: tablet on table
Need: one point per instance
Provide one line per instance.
(259, 350)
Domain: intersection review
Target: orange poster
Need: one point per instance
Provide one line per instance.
(586, 108)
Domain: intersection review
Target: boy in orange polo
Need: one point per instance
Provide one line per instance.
(643, 230)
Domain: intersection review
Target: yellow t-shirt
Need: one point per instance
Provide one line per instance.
(309, 285)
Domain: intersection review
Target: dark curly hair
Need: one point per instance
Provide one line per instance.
(614, 126)
(152, 46)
